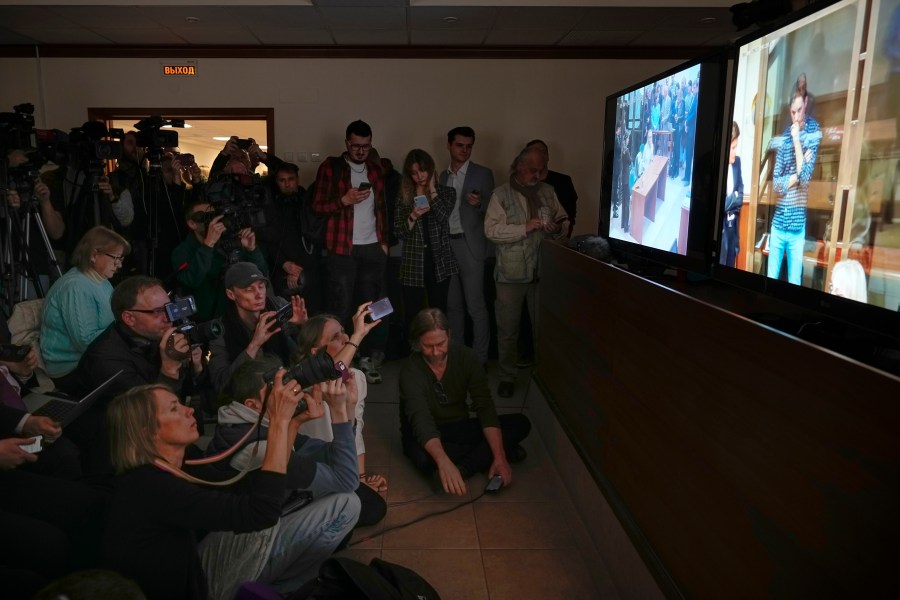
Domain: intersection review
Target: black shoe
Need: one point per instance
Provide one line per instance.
(506, 389)
(517, 454)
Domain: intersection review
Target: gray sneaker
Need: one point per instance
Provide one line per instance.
(367, 366)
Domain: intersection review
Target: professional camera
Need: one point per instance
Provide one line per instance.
(151, 135)
(23, 177)
(90, 145)
(313, 369)
(240, 200)
(17, 128)
(180, 311)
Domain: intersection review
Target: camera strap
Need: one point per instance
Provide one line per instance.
(170, 468)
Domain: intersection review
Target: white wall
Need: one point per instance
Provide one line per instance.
(408, 102)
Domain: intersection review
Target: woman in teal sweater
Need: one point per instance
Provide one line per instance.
(77, 307)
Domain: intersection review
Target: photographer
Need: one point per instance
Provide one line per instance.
(295, 257)
(26, 191)
(250, 325)
(141, 342)
(85, 188)
(199, 261)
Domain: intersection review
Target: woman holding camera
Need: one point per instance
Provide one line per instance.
(77, 307)
(159, 508)
(422, 221)
(324, 333)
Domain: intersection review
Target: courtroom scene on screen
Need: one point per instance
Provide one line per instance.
(812, 176)
(653, 162)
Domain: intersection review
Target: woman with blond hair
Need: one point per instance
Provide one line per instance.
(77, 307)
(161, 507)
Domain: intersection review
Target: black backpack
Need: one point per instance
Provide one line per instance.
(351, 580)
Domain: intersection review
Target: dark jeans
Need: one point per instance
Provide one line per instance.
(355, 279)
(465, 444)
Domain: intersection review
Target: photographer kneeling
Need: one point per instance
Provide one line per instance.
(200, 260)
(253, 321)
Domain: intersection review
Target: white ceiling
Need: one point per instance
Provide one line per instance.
(349, 23)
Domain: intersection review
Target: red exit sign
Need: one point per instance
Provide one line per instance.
(180, 70)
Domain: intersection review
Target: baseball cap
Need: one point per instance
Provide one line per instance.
(242, 275)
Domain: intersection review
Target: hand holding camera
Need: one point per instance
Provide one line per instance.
(173, 349)
(284, 399)
(214, 232)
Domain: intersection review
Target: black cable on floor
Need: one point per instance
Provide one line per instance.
(416, 520)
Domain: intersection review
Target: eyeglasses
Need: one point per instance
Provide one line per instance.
(442, 395)
(118, 259)
(149, 311)
(358, 147)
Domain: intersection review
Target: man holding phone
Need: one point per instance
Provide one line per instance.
(350, 192)
(255, 323)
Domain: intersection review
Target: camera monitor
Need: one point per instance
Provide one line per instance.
(811, 204)
(662, 142)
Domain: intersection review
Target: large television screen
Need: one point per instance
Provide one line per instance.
(812, 180)
(660, 164)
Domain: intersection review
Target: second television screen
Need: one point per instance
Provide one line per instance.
(653, 160)
(814, 169)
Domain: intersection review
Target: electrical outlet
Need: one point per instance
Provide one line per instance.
(302, 157)
(315, 157)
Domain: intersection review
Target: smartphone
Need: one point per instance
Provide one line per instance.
(243, 144)
(186, 160)
(380, 309)
(282, 316)
(35, 446)
(180, 308)
(341, 368)
(420, 201)
(494, 484)
(364, 186)
(14, 352)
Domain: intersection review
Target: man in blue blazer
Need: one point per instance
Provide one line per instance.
(474, 185)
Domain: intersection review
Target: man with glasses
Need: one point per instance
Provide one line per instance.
(350, 192)
(141, 342)
(437, 433)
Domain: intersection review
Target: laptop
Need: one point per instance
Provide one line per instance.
(63, 408)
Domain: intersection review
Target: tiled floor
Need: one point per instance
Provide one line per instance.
(525, 542)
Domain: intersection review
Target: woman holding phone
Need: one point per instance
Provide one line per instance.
(422, 222)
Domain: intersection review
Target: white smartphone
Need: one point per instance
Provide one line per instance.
(420, 201)
(380, 309)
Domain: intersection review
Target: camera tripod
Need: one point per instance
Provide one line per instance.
(18, 251)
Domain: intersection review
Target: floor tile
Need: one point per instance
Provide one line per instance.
(364, 556)
(455, 574)
(525, 574)
(453, 530)
(378, 450)
(521, 525)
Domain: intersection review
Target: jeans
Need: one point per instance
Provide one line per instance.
(790, 243)
(508, 307)
(354, 279)
(467, 295)
(306, 538)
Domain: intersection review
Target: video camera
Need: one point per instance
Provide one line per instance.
(152, 136)
(17, 128)
(90, 147)
(313, 369)
(179, 313)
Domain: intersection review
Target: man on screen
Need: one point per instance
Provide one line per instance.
(794, 165)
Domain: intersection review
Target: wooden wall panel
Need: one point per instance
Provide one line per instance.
(743, 461)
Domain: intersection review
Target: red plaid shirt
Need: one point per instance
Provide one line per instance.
(327, 201)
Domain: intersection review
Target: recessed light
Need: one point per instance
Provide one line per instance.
(192, 19)
(708, 20)
(450, 19)
(222, 139)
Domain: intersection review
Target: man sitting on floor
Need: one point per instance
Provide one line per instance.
(435, 426)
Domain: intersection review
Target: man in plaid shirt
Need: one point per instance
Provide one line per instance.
(794, 166)
(350, 192)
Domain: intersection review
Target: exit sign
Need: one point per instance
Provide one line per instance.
(183, 68)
